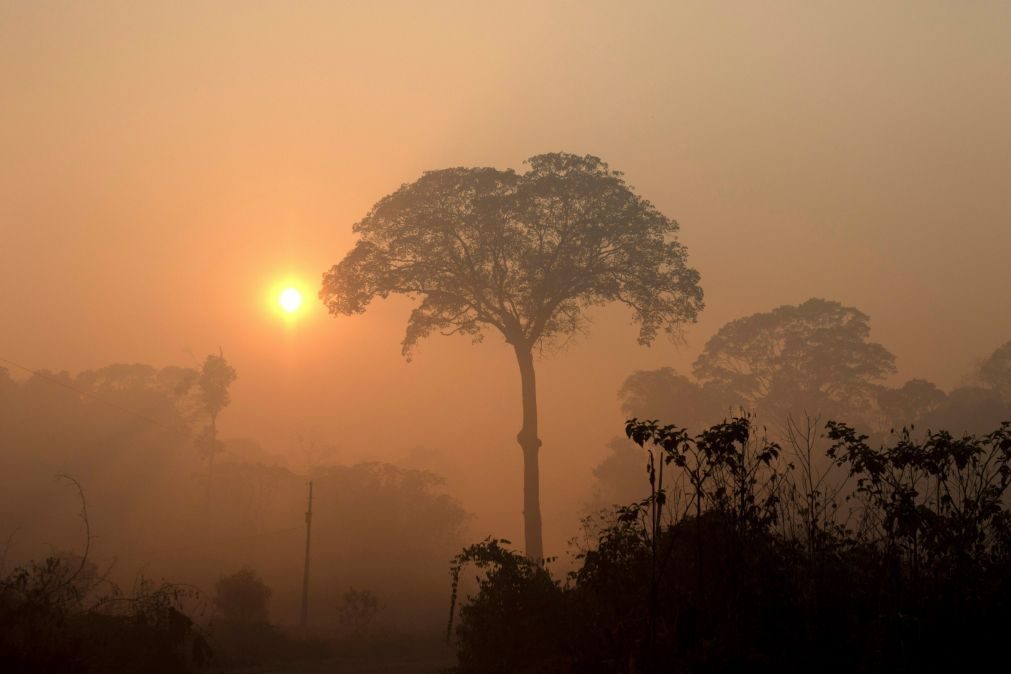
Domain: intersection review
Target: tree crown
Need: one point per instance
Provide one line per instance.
(216, 376)
(818, 351)
(526, 254)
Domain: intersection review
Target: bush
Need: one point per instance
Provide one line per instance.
(357, 610)
(702, 576)
(242, 598)
(50, 623)
(496, 632)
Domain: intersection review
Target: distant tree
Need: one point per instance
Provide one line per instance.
(123, 429)
(408, 510)
(995, 371)
(216, 376)
(524, 255)
(969, 409)
(815, 356)
(911, 402)
(665, 394)
(618, 477)
(158, 395)
(653, 394)
(357, 609)
(376, 525)
(242, 597)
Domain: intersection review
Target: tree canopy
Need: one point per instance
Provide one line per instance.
(817, 353)
(216, 376)
(525, 253)
(663, 393)
(909, 403)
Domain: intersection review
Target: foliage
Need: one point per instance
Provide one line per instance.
(660, 393)
(968, 409)
(357, 609)
(721, 464)
(894, 558)
(243, 634)
(910, 403)
(49, 624)
(368, 518)
(524, 254)
(126, 430)
(939, 503)
(242, 597)
(61, 615)
(513, 622)
(618, 476)
(813, 356)
(216, 376)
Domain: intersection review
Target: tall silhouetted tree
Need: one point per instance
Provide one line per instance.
(814, 356)
(215, 377)
(522, 254)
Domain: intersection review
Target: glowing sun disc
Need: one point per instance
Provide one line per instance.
(290, 300)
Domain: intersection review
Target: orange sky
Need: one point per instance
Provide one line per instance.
(162, 165)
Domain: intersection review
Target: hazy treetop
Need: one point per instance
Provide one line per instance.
(816, 351)
(524, 253)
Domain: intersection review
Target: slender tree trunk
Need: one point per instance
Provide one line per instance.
(531, 444)
(212, 447)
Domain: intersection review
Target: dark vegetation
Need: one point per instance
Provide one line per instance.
(54, 621)
(223, 520)
(791, 546)
(746, 557)
(814, 360)
(786, 545)
(62, 615)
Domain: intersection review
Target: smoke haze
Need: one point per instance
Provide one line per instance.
(166, 167)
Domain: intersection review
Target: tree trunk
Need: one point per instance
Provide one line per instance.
(530, 443)
(212, 447)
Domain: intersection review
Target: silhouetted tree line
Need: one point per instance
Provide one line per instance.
(64, 615)
(55, 620)
(743, 556)
(167, 494)
(811, 360)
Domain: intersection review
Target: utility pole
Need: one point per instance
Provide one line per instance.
(305, 573)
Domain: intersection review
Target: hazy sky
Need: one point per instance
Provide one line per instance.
(164, 165)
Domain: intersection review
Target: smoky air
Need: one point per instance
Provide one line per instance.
(514, 338)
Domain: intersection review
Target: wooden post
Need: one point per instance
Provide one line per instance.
(305, 573)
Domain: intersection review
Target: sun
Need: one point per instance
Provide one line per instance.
(290, 300)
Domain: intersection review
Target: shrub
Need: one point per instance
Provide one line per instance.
(701, 576)
(242, 597)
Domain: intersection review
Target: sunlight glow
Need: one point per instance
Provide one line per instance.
(290, 300)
